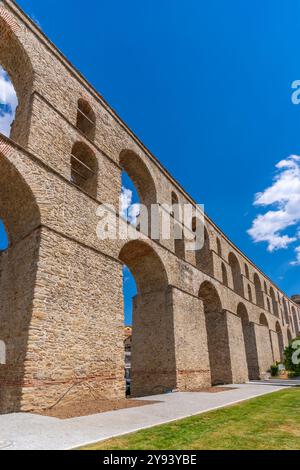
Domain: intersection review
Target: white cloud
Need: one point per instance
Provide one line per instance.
(8, 103)
(284, 196)
(128, 210)
(297, 261)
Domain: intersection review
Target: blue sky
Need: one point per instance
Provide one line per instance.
(207, 87)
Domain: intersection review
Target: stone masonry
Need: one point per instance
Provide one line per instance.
(199, 318)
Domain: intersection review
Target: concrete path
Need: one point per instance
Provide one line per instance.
(28, 431)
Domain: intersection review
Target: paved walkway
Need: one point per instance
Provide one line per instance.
(28, 431)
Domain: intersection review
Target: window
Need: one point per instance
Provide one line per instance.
(249, 293)
(86, 119)
(236, 274)
(258, 291)
(219, 248)
(84, 168)
(246, 271)
(224, 275)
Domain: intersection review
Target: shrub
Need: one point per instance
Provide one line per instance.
(289, 363)
(274, 370)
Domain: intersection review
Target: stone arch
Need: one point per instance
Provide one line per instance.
(236, 274)
(280, 340)
(15, 60)
(265, 287)
(153, 348)
(86, 119)
(217, 335)
(266, 340)
(174, 198)
(247, 271)
(18, 266)
(249, 293)
(224, 275)
(219, 247)
(204, 257)
(249, 342)
(145, 265)
(295, 319)
(178, 233)
(140, 175)
(274, 303)
(84, 168)
(285, 310)
(263, 320)
(258, 291)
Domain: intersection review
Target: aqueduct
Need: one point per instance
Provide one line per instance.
(203, 317)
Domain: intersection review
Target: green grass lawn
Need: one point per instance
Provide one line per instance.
(268, 422)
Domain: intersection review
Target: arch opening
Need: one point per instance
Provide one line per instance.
(16, 65)
(8, 103)
(285, 310)
(18, 267)
(295, 319)
(204, 256)
(136, 173)
(258, 291)
(153, 368)
(224, 275)
(219, 247)
(280, 340)
(86, 119)
(179, 242)
(274, 302)
(249, 293)
(217, 335)
(249, 342)
(263, 320)
(84, 168)
(234, 264)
